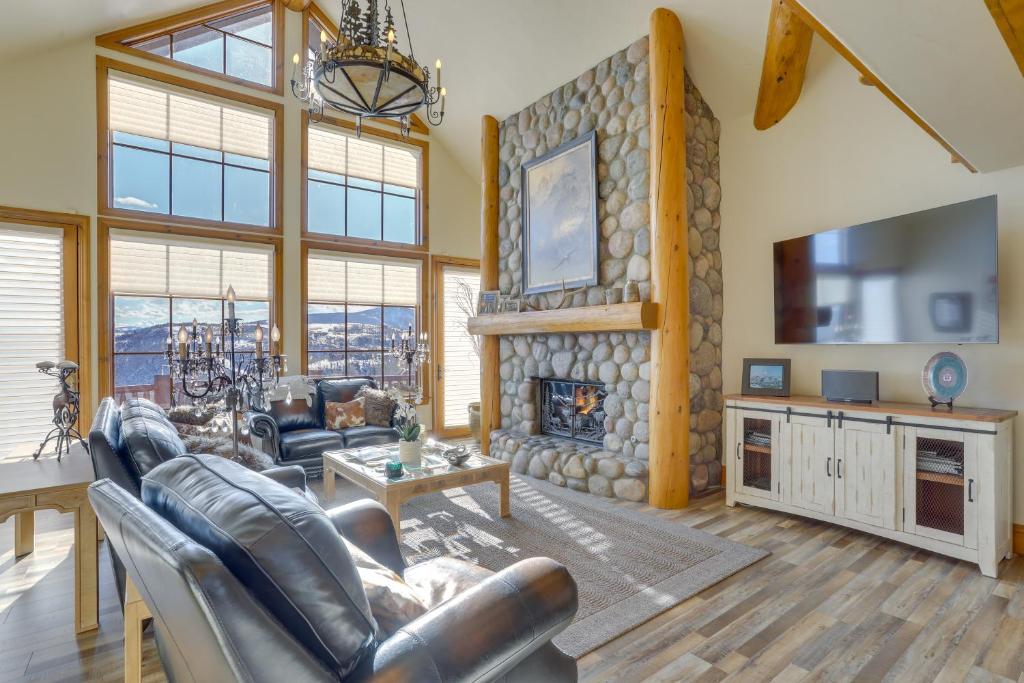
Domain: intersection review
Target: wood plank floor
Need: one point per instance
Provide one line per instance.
(827, 605)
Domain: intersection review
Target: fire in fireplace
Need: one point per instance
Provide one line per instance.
(574, 410)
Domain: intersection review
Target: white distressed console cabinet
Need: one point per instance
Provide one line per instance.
(936, 479)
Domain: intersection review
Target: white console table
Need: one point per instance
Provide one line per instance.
(936, 479)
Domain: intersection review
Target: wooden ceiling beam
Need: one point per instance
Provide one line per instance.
(786, 50)
(866, 75)
(1009, 18)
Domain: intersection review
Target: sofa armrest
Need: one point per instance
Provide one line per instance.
(487, 631)
(367, 524)
(264, 427)
(292, 476)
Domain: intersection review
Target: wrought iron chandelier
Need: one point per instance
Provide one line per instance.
(207, 372)
(414, 353)
(362, 72)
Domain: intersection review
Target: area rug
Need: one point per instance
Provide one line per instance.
(629, 566)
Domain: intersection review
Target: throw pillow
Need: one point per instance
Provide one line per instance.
(344, 415)
(378, 406)
(392, 601)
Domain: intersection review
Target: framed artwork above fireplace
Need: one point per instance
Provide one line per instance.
(560, 239)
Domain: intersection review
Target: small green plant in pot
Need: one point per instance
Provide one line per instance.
(407, 423)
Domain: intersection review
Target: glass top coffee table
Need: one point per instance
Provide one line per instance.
(365, 468)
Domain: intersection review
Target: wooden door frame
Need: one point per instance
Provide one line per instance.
(437, 266)
(77, 300)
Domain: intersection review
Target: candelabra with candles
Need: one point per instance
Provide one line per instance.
(413, 352)
(208, 371)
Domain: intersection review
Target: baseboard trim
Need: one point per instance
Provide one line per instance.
(1018, 539)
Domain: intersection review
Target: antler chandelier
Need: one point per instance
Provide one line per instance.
(363, 73)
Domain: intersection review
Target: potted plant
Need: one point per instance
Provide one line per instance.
(408, 425)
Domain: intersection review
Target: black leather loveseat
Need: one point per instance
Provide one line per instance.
(295, 433)
(247, 581)
(127, 441)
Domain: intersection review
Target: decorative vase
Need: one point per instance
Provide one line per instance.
(474, 420)
(631, 292)
(409, 453)
(393, 469)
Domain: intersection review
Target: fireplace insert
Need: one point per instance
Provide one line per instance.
(574, 410)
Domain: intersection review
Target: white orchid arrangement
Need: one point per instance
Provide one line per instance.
(407, 422)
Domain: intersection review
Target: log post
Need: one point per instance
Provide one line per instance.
(490, 396)
(669, 458)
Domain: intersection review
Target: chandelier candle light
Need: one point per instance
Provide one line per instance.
(362, 72)
(407, 349)
(207, 372)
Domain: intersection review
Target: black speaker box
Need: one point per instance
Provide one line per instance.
(849, 386)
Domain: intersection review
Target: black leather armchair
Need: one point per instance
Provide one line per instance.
(216, 617)
(127, 441)
(295, 433)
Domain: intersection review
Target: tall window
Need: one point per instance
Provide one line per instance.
(179, 153)
(358, 187)
(159, 284)
(238, 43)
(356, 305)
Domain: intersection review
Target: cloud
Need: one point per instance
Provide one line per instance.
(134, 203)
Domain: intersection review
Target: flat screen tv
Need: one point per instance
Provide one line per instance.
(926, 277)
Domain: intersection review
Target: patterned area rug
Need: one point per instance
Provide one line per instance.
(629, 566)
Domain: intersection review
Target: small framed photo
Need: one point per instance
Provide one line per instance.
(487, 301)
(766, 377)
(508, 304)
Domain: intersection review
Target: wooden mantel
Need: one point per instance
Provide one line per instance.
(610, 318)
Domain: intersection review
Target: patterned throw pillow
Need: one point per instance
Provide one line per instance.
(344, 415)
(392, 601)
(379, 406)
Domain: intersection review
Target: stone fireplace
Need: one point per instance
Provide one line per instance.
(570, 409)
(613, 99)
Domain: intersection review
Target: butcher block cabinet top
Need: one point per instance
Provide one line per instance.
(884, 408)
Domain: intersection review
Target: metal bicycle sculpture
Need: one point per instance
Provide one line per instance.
(65, 407)
(207, 373)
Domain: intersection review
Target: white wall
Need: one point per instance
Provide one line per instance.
(48, 160)
(842, 156)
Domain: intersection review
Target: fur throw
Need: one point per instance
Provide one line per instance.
(190, 415)
(214, 437)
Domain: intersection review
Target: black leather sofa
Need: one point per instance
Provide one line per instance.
(248, 581)
(295, 433)
(127, 441)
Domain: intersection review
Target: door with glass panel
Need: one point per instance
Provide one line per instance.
(38, 322)
(457, 354)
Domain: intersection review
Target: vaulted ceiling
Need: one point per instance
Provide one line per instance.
(945, 58)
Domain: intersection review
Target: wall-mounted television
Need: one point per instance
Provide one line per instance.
(925, 277)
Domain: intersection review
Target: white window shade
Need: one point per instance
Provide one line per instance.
(461, 372)
(338, 278)
(142, 107)
(332, 151)
(141, 264)
(31, 330)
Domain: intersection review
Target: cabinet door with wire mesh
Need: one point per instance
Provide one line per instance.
(940, 485)
(756, 454)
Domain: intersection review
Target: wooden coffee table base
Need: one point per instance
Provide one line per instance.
(392, 494)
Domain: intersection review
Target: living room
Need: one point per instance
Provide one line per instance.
(335, 328)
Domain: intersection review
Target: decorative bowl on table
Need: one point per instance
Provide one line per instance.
(456, 455)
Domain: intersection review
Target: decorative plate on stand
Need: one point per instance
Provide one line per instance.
(944, 378)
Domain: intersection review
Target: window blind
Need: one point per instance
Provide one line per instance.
(143, 107)
(336, 152)
(31, 330)
(364, 280)
(461, 371)
(145, 264)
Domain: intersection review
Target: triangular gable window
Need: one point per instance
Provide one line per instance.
(236, 40)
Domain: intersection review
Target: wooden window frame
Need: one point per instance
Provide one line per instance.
(423, 193)
(115, 40)
(105, 312)
(314, 13)
(437, 264)
(104, 182)
(77, 302)
(423, 319)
